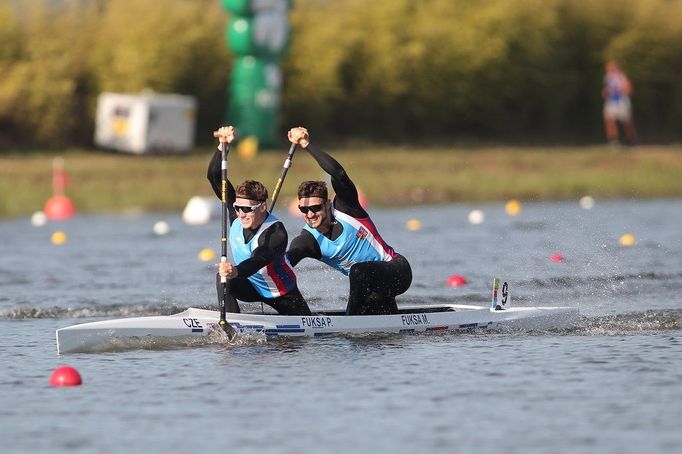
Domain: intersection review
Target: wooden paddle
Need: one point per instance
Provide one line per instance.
(282, 175)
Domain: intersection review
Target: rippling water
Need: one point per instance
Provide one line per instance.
(612, 384)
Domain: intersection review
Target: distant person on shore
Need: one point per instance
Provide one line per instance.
(342, 235)
(258, 243)
(617, 108)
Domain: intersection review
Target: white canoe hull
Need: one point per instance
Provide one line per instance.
(195, 323)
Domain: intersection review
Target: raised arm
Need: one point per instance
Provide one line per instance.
(225, 134)
(346, 198)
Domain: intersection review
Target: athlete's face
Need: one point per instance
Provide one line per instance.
(257, 212)
(316, 212)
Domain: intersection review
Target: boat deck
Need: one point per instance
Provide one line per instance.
(404, 310)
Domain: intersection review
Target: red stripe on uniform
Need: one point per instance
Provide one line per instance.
(369, 225)
(279, 283)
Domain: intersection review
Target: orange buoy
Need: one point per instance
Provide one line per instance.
(65, 376)
(457, 281)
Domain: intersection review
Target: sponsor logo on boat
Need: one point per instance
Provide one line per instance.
(316, 322)
(415, 319)
(194, 324)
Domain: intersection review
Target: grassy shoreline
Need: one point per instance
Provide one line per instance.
(388, 176)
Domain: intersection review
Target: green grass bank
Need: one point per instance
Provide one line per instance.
(389, 176)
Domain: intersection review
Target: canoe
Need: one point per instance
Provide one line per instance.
(195, 324)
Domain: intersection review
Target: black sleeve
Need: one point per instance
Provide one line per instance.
(271, 244)
(346, 199)
(214, 177)
(304, 245)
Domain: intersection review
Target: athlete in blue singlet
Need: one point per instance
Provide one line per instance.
(258, 242)
(617, 107)
(342, 235)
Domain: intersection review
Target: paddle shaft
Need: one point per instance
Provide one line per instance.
(282, 176)
(224, 150)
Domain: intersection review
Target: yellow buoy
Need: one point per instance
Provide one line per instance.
(513, 207)
(206, 254)
(413, 225)
(248, 147)
(59, 238)
(627, 240)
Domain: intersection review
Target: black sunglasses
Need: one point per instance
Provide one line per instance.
(246, 209)
(313, 208)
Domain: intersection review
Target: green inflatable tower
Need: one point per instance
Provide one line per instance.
(258, 34)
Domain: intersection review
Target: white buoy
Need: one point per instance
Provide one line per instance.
(476, 216)
(587, 203)
(38, 219)
(161, 228)
(198, 210)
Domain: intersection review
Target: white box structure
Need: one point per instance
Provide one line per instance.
(146, 122)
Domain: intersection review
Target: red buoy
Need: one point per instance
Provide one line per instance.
(557, 258)
(59, 207)
(65, 376)
(457, 281)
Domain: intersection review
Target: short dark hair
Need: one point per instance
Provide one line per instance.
(312, 189)
(252, 190)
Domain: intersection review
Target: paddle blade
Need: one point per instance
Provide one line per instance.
(229, 330)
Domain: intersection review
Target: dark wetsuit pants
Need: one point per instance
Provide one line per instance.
(374, 286)
(241, 289)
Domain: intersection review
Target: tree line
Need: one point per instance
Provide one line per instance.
(389, 70)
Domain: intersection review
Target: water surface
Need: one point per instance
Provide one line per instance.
(612, 384)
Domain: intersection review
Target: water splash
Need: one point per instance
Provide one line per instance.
(572, 281)
(631, 323)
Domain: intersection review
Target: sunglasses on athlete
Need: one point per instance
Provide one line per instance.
(246, 209)
(313, 208)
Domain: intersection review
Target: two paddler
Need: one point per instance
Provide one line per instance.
(339, 233)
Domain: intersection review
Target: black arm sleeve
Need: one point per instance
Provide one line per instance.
(214, 177)
(271, 244)
(346, 199)
(304, 245)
